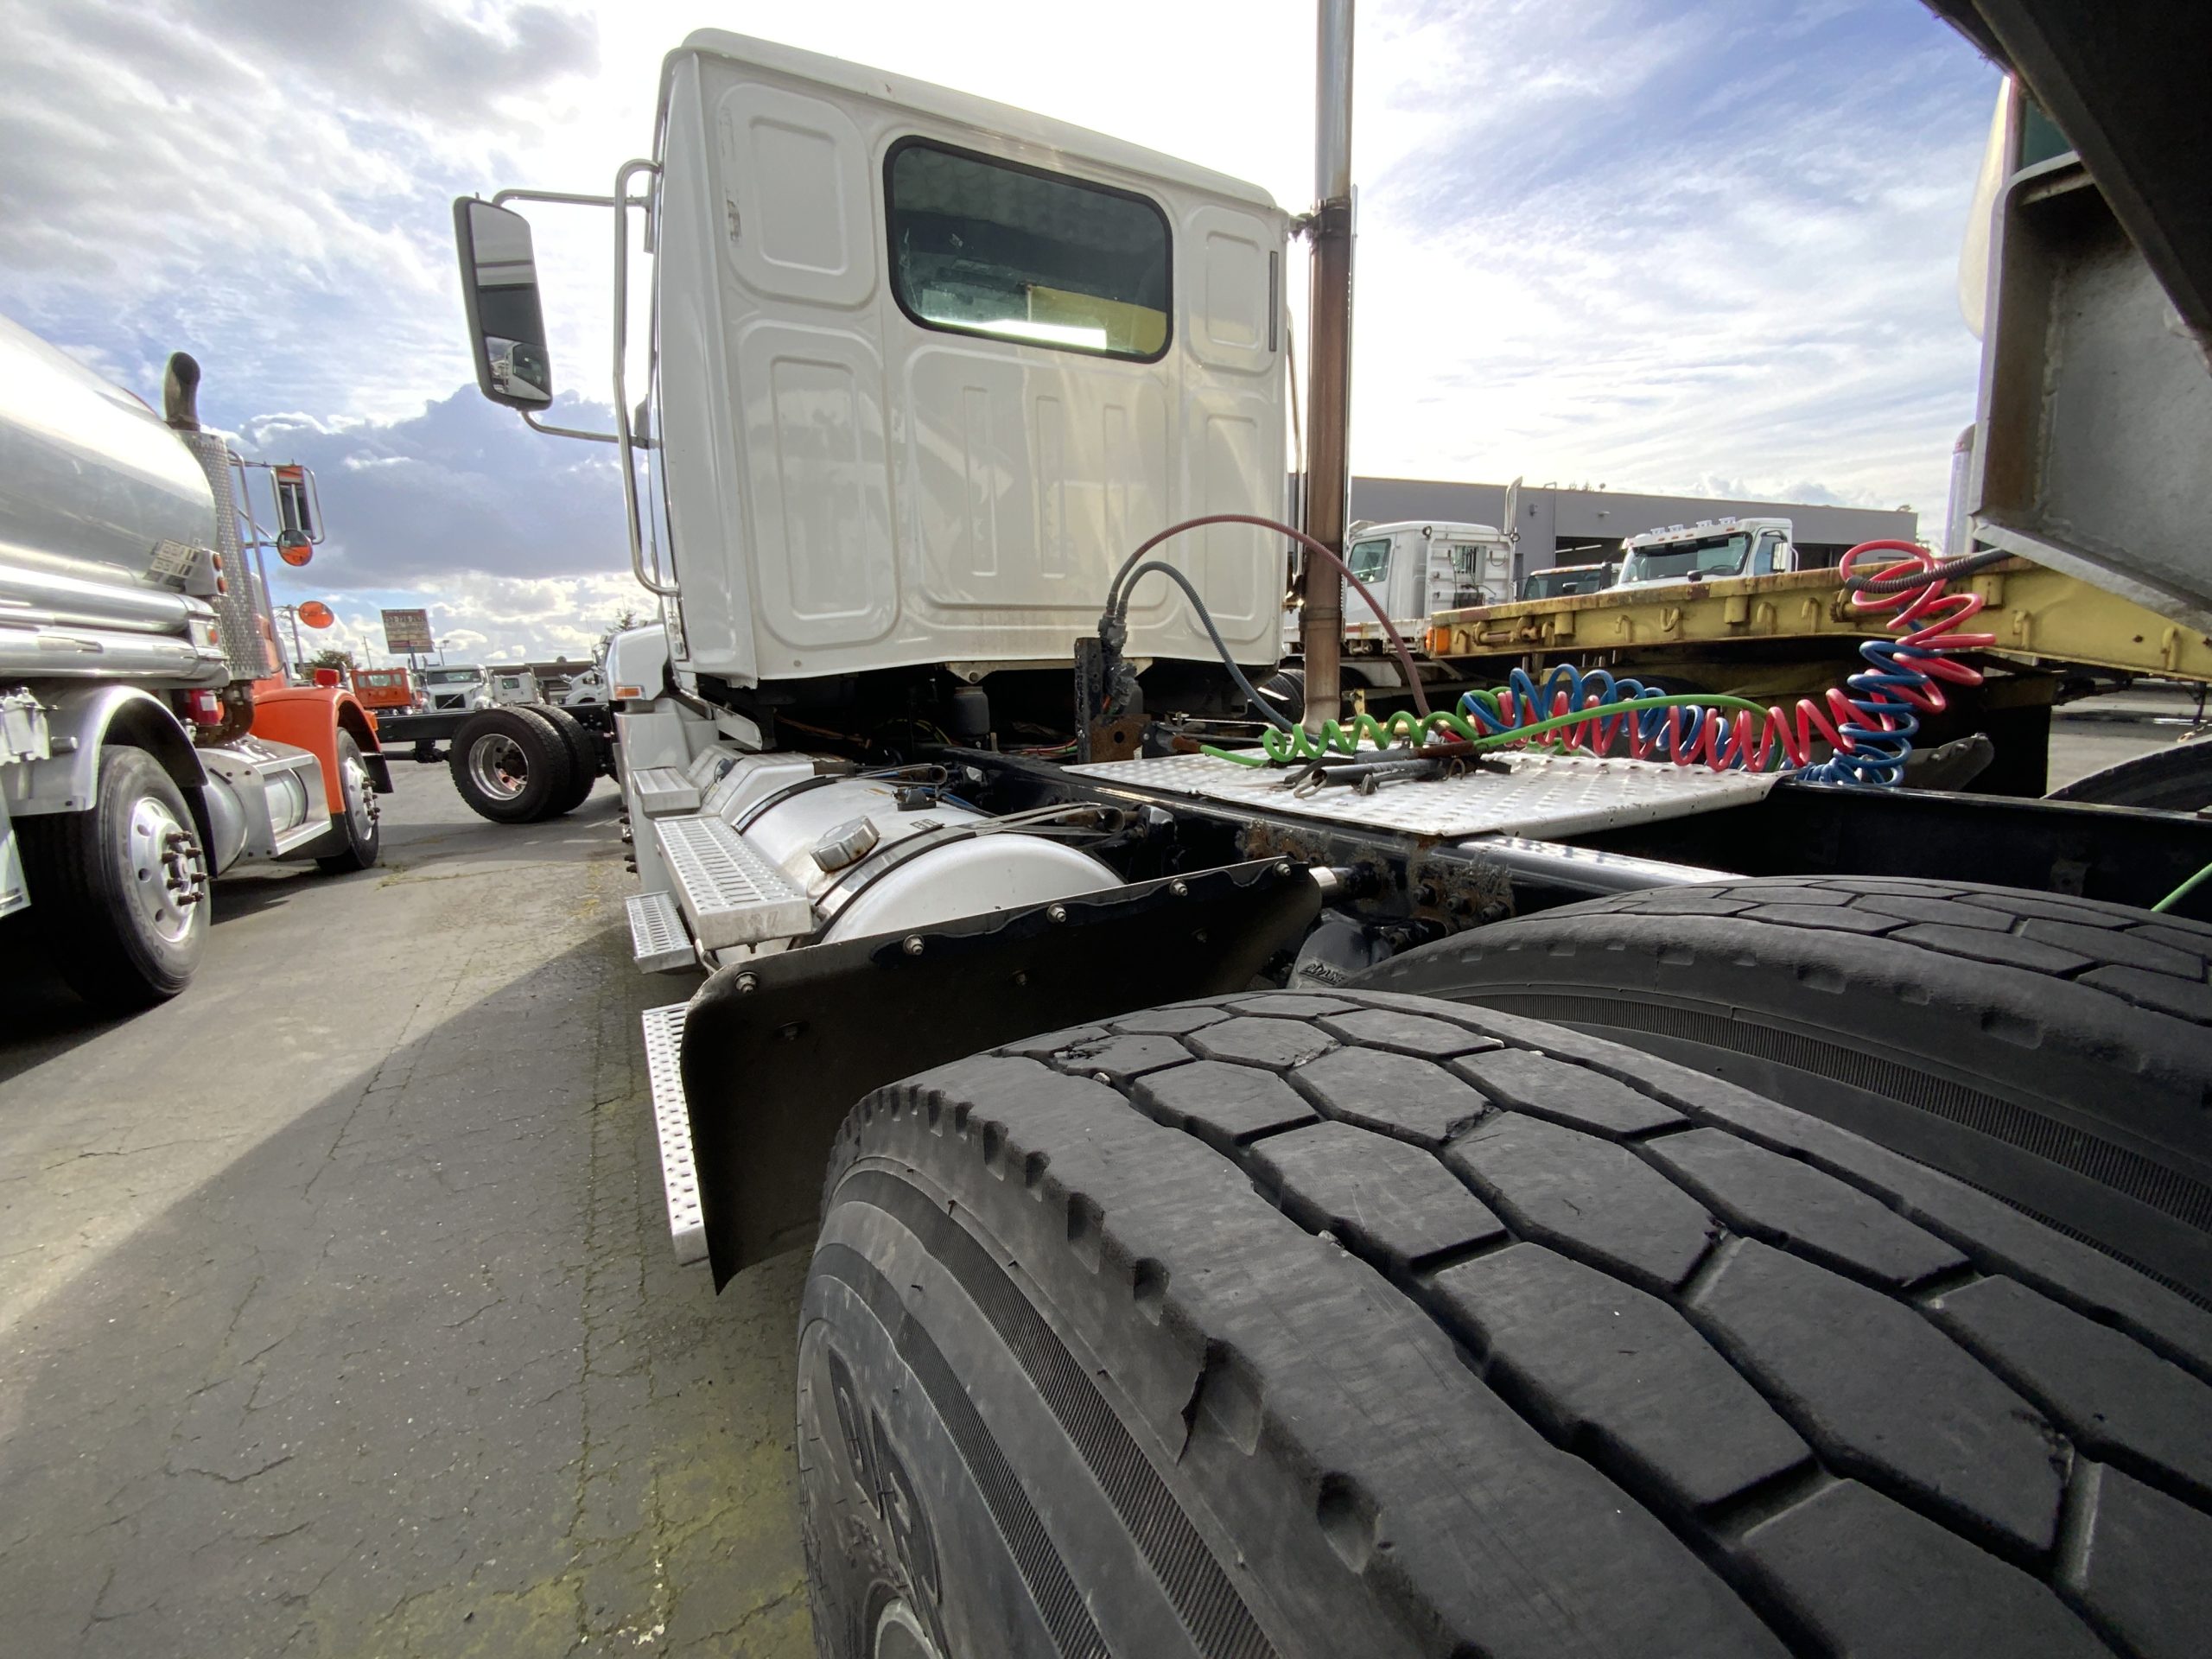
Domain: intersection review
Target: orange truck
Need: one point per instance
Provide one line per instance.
(385, 690)
(151, 736)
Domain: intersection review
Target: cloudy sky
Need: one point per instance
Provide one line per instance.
(1697, 245)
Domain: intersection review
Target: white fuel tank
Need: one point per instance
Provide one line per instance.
(861, 858)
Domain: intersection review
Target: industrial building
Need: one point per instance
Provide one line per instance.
(1561, 526)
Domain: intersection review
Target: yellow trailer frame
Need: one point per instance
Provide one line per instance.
(2041, 618)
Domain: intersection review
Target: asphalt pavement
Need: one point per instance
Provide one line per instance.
(337, 1310)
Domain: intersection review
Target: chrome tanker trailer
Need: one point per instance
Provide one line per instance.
(149, 737)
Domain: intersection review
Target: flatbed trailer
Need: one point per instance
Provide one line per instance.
(1795, 634)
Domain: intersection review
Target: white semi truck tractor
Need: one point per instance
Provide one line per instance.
(149, 737)
(1704, 1198)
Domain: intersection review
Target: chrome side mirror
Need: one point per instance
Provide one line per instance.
(498, 285)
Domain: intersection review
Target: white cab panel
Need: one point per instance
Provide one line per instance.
(850, 489)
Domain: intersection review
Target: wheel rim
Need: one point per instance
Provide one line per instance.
(168, 872)
(900, 1635)
(361, 808)
(498, 766)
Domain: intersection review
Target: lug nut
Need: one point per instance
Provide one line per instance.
(747, 983)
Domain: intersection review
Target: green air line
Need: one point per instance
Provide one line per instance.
(1414, 730)
(2184, 890)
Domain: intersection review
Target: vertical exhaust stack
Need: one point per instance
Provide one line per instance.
(249, 652)
(1328, 416)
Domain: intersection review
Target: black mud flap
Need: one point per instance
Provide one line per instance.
(778, 1049)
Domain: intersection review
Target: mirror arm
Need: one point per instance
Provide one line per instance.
(536, 425)
(622, 201)
(569, 196)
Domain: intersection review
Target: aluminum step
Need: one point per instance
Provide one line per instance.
(657, 941)
(679, 1178)
(731, 894)
(661, 791)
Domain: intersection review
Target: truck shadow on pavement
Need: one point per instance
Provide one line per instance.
(579, 837)
(414, 1371)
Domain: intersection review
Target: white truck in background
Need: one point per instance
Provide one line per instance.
(1710, 548)
(1418, 569)
(510, 686)
(149, 737)
(452, 688)
(1565, 581)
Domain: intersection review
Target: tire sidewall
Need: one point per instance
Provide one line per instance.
(891, 1508)
(127, 777)
(361, 850)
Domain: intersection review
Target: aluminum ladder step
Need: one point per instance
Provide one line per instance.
(679, 1177)
(657, 941)
(661, 791)
(731, 894)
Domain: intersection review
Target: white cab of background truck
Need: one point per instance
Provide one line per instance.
(1418, 569)
(1701, 552)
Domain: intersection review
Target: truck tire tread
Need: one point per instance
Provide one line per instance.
(2057, 1051)
(583, 756)
(1620, 1359)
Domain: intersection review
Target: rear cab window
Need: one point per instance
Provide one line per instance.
(1370, 560)
(984, 246)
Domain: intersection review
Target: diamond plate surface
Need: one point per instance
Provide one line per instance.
(687, 1225)
(657, 941)
(1543, 795)
(663, 790)
(732, 894)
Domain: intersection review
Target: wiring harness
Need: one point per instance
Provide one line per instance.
(1868, 723)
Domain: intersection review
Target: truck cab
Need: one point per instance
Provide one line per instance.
(1565, 581)
(455, 686)
(1415, 569)
(510, 686)
(1704, 552)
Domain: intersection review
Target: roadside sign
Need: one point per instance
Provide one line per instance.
(407, 630)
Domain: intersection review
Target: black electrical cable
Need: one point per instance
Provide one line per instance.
(1213, 634)
(1117, 599)
(1965, 565)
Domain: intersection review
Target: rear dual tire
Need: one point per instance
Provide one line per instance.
(2055, 1051)
(516, 765)
(1359, 1324)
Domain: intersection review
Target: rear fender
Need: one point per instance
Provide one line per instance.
(310, 717)
(776, 1049)
(79, 721)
